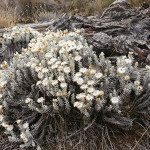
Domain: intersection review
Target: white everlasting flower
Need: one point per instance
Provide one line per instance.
(1, 108)
(137, 83)
(80, 96)
(37, 69)
(78, 58)
(115, 100)
(40, 100)
(78, 74)
(54, 82)
(79, 105)
(23, 137)
(67, 70)
(39, 82)
(25, 125)
(40, 75)
(28, 100)
(18, 121)
(3, 83)
(89, 97)
(80, 81)
(48, 55)
(1, 95)
(52, 60)
(121, 70)
(45, 70)
(1, 118)
(54, 66)
(4, 124)
(96, 93)
(10, 127)
(63, 85)
(98, 75)
(45, 82)
(90, 90)
(92, 71)
(83, 70)
(101, 93)
(84, 86)
(90, 82)
(61, 78)
(139, 88)
(79, 47)
(126, 78)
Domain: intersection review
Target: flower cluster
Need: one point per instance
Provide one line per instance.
(59, 72)
(15, 39)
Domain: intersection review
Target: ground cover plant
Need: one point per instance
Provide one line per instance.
(58, 94)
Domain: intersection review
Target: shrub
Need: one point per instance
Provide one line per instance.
(58, 86)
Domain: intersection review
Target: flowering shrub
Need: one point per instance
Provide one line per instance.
(58, 74)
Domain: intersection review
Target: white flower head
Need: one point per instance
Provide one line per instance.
(98, 75)
(25, 125)
(67, 70)
(115, 100)
(84, 86)
(96, 93)
(136, 83)
(90, 90)
(48, 55)
(45, 82)
(24, 137)
(80, 81)
(54, 82)
(63, 85)
(83, 70)
(28, 100)
(80, 96)
(92, 71)
(89, 97)
(90, 82)
(78, 58)
(79, 105)
(121, 70)
(45, 70)
(10, 127)
(1, 118)
(40, 75)
(61, 78)
(40, 100)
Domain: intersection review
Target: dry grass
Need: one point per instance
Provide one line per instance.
(8, 16)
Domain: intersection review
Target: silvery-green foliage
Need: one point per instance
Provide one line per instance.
(60, 72)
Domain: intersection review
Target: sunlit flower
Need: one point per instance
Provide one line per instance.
(79, 105)
(83, 70)
(54, 82)
(40, 100)
(61, 78)
(28, 100)
(90, 90)
(45, 70)
(121, 70)
(98, 75)
(90, 82)
(80, 81)
(96, 93)
(63, 85)
(115, 100)
(78, 58)
(67, 70)
(89, 97)
(80, 96)
(84, 86)
(137, 83)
